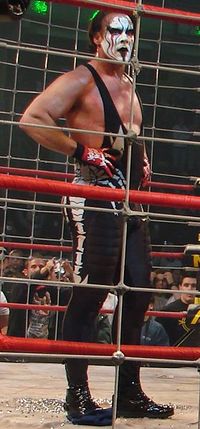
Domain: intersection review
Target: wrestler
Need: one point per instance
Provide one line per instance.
(97, 96)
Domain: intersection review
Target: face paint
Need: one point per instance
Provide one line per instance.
(119, 38)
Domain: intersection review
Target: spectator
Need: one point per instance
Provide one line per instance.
(174, 295)
(4, 315)
(177, 328)
(153, 333)
(167, 279)
(36, 268)
(64, 271)
(39, 319)
(177, 275)
(14, 267)
(3, 258)
(160, 299)
(16, 259)
(9, 287)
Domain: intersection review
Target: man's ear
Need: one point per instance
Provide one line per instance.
(97, 38)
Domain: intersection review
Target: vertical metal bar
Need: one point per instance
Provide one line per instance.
(126, 206)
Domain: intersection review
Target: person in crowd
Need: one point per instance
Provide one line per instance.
(4, 315)
(15, 264)
(167, 279)
(176, 328)
(153, 333)
(98, 96)
(38, 326)
(16, 260)
(175, 295)
(177, 275)
(3, 259)
(39, 269)
(8, 287)
(160, 298)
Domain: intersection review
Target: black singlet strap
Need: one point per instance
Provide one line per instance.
(111, 115)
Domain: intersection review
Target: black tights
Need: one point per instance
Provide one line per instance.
(98, 263)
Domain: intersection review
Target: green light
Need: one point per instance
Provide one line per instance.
(94, 15)
(39, 6)
(197, 31)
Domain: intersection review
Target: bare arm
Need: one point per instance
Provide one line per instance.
(53, 103)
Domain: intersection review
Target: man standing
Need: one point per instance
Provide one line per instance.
(98, 97)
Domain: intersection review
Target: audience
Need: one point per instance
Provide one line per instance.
(36, 268)
(160, 298)
(39, 323)
(153, 333)
(47, 324)
(176, 328)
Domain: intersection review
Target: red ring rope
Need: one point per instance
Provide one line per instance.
(175, 255)
(28, 345)
(68, 249)
(31, 246)
(177, 187)
(32, 172)
(61, 308)
(96, 192)
(70, 176)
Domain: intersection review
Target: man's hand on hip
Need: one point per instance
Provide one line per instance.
(100, 158)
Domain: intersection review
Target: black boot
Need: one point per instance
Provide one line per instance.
(79, 402)
(132, 401)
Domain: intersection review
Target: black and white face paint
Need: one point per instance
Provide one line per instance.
(119, 38)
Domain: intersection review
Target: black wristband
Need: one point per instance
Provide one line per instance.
(78, 153)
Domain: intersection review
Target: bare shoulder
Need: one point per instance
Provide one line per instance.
(80, 76)
(62, 94)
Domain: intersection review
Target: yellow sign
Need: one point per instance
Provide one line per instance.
(195, 318)
(196, 261)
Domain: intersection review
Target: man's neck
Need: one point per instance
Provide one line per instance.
(109, 69)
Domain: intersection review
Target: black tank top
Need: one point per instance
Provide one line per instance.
(114, 124)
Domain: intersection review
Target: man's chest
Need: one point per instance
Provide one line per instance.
(99, 104)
